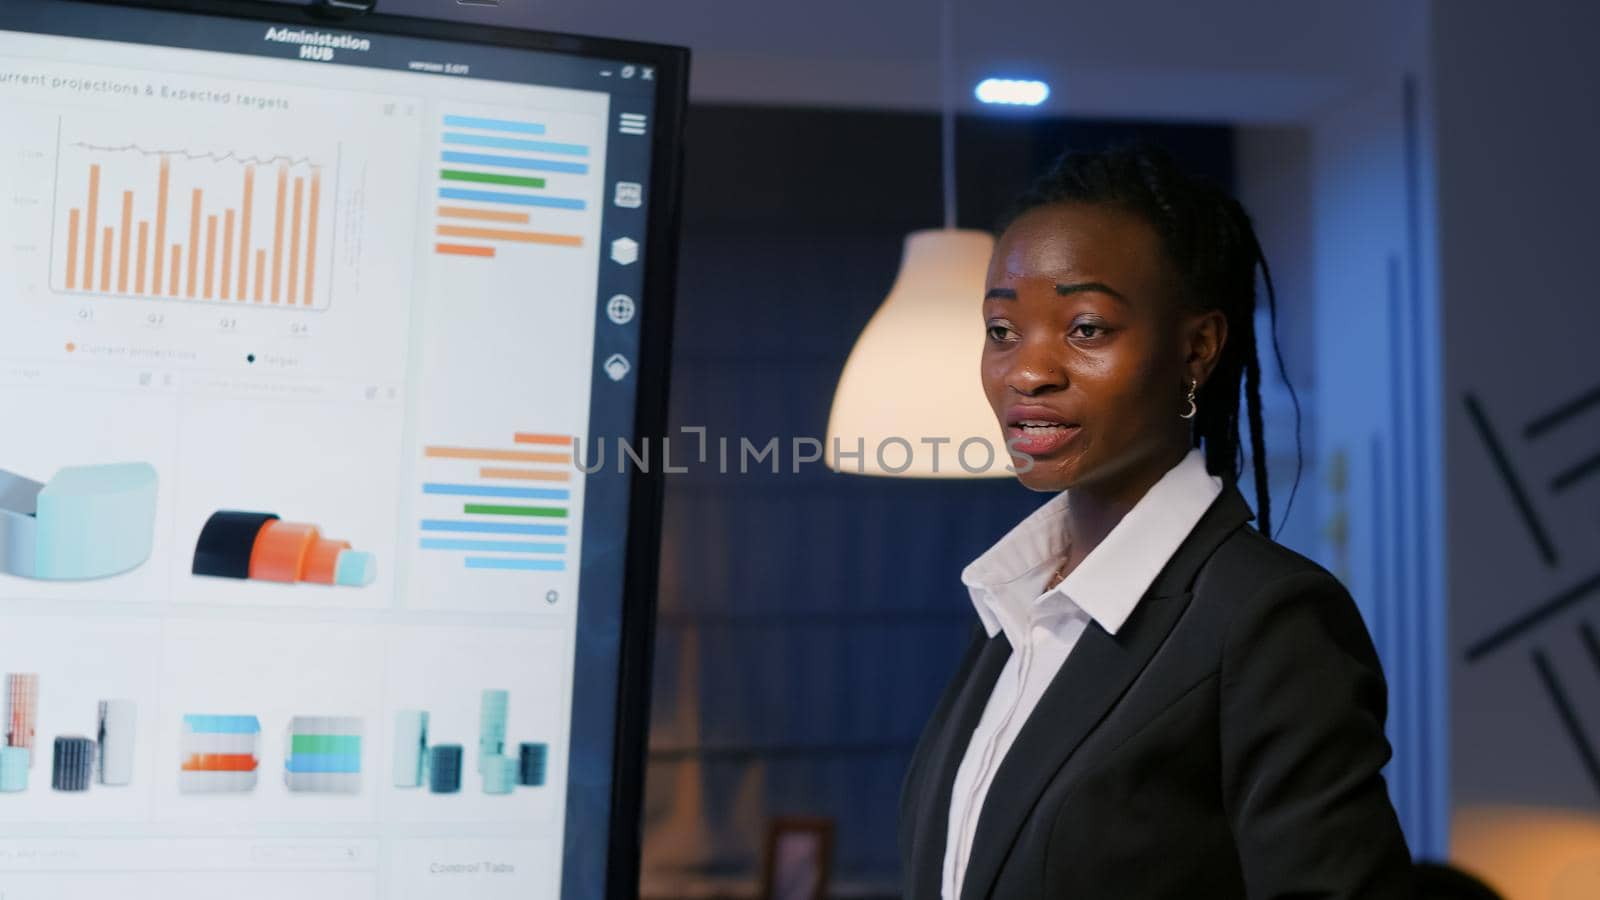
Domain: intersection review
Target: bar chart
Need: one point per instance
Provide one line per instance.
(173, 223)
(503, 507)
(495, 176)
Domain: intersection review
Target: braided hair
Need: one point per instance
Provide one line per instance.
(1208, 237)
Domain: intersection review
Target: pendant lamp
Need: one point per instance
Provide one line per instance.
(909, 402)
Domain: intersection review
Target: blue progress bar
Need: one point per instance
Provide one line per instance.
(501, 143)
(518, 199)
(491, 546)
(515, 162)
(493, 527)
(487, 490)
(493, 124)
(495, 562)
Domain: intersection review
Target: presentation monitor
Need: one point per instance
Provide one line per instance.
(312, 330)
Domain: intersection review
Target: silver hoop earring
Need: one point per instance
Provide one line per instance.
(1193, 384)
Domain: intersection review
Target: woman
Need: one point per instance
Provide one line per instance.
(1162, 702)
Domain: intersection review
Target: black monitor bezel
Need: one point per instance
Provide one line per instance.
(655, 351)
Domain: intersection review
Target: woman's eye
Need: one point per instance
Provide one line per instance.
(998, 332)
(1096, 330)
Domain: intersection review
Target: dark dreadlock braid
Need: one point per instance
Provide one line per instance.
(1209, 238)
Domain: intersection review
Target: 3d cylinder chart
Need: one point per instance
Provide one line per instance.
(14, 762)
(75, 761)
(323, 754)
(220, 754)
(444, 768)
(85, 522)
(262, 547)
(115, 740)
(531, 764)
(73, 764)
(492, 716)
(22, 711)
(410, 748)
(439, 766)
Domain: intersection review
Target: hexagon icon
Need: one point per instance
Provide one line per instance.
(625, 251)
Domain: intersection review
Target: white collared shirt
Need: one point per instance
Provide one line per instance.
(1006, 584)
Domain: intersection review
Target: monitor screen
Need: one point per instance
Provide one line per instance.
(311, 334)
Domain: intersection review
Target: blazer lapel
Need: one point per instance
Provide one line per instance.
(953, 724)
(1089, 683)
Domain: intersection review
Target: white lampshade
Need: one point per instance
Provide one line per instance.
(913, 376)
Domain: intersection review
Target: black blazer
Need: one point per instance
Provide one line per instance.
(1225, 743)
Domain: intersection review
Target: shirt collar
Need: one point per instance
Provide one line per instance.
(1007, 579)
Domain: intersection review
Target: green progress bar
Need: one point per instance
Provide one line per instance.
(489, 509)
(491, 178)
(325, 743)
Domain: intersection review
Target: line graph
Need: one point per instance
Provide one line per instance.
(149, 221)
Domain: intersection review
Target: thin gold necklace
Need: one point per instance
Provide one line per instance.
(1059, 575)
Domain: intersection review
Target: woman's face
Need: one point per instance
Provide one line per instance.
(1086, 358)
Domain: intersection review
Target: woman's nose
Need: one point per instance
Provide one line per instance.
(1036, 369)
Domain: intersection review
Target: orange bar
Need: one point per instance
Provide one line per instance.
(463, 250)
(294, 240)
(311, 233)
(89, 232)
(522, 437)
(502, 234)
(161, 225)
(227, 253)
(211, 256)
(127, 233)
(280, 550)
(277, 236)
(261, 266)
(194, 240)
(105, 261)
(72, 250)
(244, 230)
(220, 762)
(322, 561)
(144, 248)
(526, 474)
(486, 215)
(177, 252)
(496, 455)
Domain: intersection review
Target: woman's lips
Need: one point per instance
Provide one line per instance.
(1040, 440)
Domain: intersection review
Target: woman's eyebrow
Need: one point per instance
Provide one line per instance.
(1062, 290)
(1065, 289)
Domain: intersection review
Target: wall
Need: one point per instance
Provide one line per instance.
(1518, 133)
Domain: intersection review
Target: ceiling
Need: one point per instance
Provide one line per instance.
(1247, 61)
